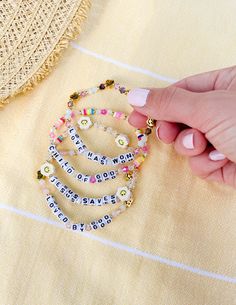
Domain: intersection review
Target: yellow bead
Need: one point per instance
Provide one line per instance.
(129, 176)
(150, 122)
(129, 202)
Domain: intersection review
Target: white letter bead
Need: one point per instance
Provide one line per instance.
(50, 199)
(69, 193)
(53, 179)
(78, 227)
(89, 155)
(70, 170)
(92, 201)
(105, 199)
(105, 176)
(107, 218)
(94, 225)
(112, 174)
(98, 201)
(113, 199)
(72, 131)
(103, 160)
(51, 149)
(122, 159)
(115, 161)
(79, 177)
(85, 200)
(85, 178)
(96, 158)
(101, 223)
(98, 178)
(129, 157)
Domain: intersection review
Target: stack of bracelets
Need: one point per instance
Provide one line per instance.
(126, 164)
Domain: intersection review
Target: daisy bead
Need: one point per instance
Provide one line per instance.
(47, 169)
(123, 193)
(84, 122)
(122, 141)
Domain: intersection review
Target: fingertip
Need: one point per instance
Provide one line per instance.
(203, 166)
(137, 119)
(167, 131)
(190, 142)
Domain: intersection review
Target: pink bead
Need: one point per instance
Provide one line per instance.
(72, 114)
(63, 152)
(41, 181)
(136, 151)
(71, 153)
(125, 169)
(92, 179)
(104, 111)
(58, 124)
(118, 114)
(45, 191)
(145, 148)
(52, 135)
(83, 93)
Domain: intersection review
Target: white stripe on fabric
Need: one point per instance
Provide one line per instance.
(123, 65)
(124, 247)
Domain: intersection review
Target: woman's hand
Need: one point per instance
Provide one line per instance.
(198, 114)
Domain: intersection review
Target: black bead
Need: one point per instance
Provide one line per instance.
(148, 131)
(102, 86)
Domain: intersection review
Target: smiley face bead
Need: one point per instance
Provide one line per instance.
(122, 141)
(123, 193)
(47, 169)
(84, 122)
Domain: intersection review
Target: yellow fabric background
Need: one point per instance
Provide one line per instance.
(176, 215)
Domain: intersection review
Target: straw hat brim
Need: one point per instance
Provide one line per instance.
(33, 35)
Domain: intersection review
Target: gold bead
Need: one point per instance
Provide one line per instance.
(128, 176)
(109, 82)
(150, 122)
(74, 96)
(39, 175)
(129, 202)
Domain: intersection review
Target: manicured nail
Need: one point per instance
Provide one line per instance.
(188, 141)
(215, 155)
(138, 97)
(157, 132)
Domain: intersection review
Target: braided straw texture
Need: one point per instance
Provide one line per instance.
(32, 36)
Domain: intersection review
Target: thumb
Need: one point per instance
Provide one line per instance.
(173, 104)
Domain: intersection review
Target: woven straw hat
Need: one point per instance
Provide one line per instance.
(32, 36)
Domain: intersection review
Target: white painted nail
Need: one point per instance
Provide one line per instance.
(215, 155)
(138, 97)
(188, 141)
(157, 132)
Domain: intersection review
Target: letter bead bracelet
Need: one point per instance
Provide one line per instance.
(125, 164)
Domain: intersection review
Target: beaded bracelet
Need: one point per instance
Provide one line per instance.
(128, 163)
